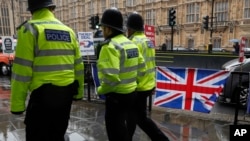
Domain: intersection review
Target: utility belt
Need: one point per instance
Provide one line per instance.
(116, 101)
(120, 97)
(115, 94)
(73, 87)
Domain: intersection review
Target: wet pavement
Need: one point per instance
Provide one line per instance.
(87, 121)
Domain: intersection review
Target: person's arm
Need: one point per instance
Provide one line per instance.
(79, 71)
(22, 70)
(108, 69)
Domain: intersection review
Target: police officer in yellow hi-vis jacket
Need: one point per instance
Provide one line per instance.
(49, 66)
(146, 83)
(118, 66)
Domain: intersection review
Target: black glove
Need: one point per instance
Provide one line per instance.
(17, 113)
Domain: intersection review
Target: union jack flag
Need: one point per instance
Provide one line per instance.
(189, 88)
(96, 80)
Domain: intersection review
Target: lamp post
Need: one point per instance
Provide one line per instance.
(210, 46)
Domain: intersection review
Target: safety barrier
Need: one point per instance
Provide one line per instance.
(194, 60)
(90, 93)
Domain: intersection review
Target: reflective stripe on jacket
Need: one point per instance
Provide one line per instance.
(47, 52)
(118, 65)
(147, 49)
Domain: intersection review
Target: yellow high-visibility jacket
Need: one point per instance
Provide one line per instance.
(118, 66)
(47, 51)
(147, 49)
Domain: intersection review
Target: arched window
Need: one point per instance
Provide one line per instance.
(190, 43)
(248, 42)
(217, 43)
(168, 43)
(5, 19)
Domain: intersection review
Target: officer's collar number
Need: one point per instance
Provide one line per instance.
(150, 44)
(132, 53)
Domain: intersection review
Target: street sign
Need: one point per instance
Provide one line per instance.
(86, 43)
(150, 32)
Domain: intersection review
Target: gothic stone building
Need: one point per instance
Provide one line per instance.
(230, 18)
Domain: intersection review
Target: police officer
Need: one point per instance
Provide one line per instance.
(118, 65)
(47, 64)
(146, 83)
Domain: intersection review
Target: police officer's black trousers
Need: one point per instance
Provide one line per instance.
(48, 113)
(145, 123)
(118, 108)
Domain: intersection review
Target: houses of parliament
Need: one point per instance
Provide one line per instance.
(228, 19)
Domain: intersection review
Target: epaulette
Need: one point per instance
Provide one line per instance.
(105, 42)
(21, 25)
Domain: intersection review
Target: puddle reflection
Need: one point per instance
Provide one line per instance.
(4, 87)
(184, 128)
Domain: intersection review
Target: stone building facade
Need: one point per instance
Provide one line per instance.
(231, 18)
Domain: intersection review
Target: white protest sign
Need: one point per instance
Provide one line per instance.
(86, 43)
(8, 45)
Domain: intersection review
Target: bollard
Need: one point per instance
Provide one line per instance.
(89, 80)
(248, 104)
(248, 97)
